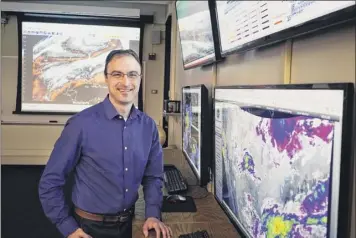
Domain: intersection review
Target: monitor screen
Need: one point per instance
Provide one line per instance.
(195, 32)
(63, 64)
(277, 155)
(242, 22)
(191, 117)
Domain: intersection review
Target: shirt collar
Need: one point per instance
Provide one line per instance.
(111, 111)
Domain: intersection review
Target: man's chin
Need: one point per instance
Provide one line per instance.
(123, 99)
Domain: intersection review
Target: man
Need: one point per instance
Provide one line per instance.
(112, 148)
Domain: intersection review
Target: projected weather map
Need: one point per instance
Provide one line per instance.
(274, 168)
(191, 125)
(63, 64)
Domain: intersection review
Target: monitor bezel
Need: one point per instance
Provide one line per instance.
(208, 61)
(205, 138)
(347, 151)
(346, 16)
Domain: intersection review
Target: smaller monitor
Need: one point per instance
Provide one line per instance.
(196, 131)
(196, 33)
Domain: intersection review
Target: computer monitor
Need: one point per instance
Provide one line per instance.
(196, 131)
(284, 158)
(195, 33)
(245, 25)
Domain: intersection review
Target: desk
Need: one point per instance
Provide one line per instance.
(209, 215)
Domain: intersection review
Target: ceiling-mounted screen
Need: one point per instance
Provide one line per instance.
(195, 32)
(243, 22)
(63, 64)
(282, 158)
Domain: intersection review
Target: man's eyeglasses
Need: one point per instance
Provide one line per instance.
(120, 75)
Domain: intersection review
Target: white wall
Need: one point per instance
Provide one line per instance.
(153, 103)
(32, 144)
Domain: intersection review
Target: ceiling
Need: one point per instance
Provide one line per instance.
(149, 2)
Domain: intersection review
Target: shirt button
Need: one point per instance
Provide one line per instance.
(126, 190)
(124, 127)
(120, 117)
(125, 148)
(126, 169)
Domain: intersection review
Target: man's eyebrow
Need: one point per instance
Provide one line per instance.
(118, 71)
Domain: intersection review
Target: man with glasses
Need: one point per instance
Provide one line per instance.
(112, 148)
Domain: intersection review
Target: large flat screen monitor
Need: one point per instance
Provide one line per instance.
(283, 159)
(62, 64)
(195, 32)
(196, 134)
(247, 24)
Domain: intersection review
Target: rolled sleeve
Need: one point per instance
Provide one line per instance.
(153, 179)
(61, 162)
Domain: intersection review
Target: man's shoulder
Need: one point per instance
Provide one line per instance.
(147, 119)
(85, 114)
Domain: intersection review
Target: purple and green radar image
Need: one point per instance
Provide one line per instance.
(277, 172)
(191, 129)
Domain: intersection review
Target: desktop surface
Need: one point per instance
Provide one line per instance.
(209, 215)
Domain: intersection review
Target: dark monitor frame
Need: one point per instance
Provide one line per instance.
(217, 55)
(343, 17)
(72, 19)
(205, 136)
(347, 162)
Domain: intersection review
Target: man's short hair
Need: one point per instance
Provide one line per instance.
(116, 53)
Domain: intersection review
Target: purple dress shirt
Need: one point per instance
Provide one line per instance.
(111, 158)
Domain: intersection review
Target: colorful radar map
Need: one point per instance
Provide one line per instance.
(276, 172)
(191, 128)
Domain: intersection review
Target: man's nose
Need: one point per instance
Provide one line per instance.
(125, 80)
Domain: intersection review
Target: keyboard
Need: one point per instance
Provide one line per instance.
(197, 234)
(173, 180)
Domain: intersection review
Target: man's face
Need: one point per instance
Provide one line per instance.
(123, 88)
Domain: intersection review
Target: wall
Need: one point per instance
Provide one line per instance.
(154, 70)
(327, 57)
(32, 144)
(181, 78)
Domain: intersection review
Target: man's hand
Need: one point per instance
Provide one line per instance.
(154, 223)
(79, 233)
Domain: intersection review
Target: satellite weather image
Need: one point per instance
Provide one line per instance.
(195, 30)
(63, 65)
(276, 172)
(191, 128)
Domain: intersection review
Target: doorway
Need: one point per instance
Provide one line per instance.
(167, 72)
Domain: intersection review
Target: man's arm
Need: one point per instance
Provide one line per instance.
(62, 160)
(153, 179)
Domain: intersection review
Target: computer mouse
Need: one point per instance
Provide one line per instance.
(176, 198)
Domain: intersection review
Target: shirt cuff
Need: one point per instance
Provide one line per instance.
(68, 226)
(153, 211)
